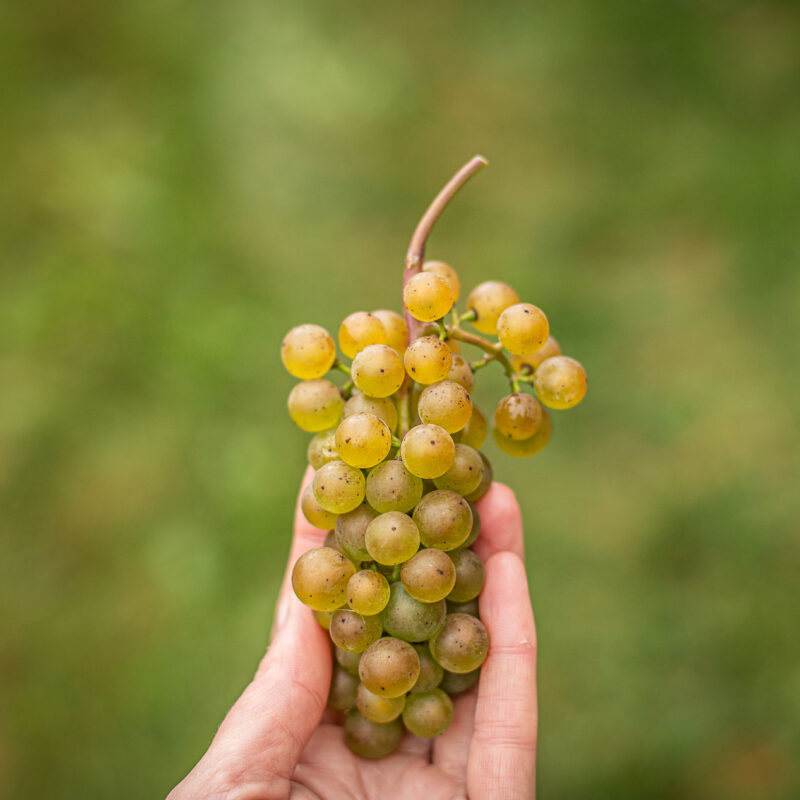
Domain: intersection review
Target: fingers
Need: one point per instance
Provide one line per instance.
(450, 750)
(501, 523)
(502, 757)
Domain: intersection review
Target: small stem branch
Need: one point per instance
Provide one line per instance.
(341, 367)
(495, 351)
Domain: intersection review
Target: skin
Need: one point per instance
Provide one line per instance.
(278, 741)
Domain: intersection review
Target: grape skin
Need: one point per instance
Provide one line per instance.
(474, 432)
(314, 512)
(461, 373)
(488, 300)
(395, 327)
(427, 451)
(344, 686)
(323, 618)
(391, 487)
(382, 407)
(346, 660)
(319, 578)
(367, 592)
(308, 351)
(354, 632)
(429, 576)
(338, 487)
(446, 404)
(378, 371)
(444, 519)
(389, 667)
(428, 296)
(526, 447)
(428, 714)
(470, 576)
(476, 526)
(350, 531)
(523, 328)
(392, 538)
(430, 673)
(485, 484)
(363, 440)
(445, 271)
(322, 448)
(518, 416)
(455, 683)
(359, 330)
(560, 382)
(369, 739)
(428, 359)
(409, 619)
(315, 405)
(464, 476)
(468, 607)
(462, 644)
(376, 707)
(531, 361)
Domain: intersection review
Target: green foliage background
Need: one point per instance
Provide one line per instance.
(183, 182)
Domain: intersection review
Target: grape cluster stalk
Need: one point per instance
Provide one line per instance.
(398, 470)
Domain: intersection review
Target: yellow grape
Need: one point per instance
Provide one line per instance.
(395, 327)
(389, 667)
(363, 440)
(315, 405)
(392, 538)
(550, 348)
(429, 576)
(377, 708)
(462, 644)
(369, 739)
(428, 296)
(488, 300)
(427, 451)
(523, 448)
(446, 404)
(446, 272)
(461, 372)
(428, 359)
(322, 448)
(382, 407)
(464, 476)
(474, 432)
(320, 576)
(314, 512)
(338, 487)
(378, 371)
(367, 592)
(518, 415)
(523, 328)
(560, 382)
(359, 330)
(308, 351)
(427, 714)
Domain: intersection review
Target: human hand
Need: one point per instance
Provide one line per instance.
(278, 741)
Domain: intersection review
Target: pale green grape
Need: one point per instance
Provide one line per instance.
(354, 632)
(531, 361)
(428, 359)
(462, 644)
(389, 667)
(308, 351)
(428, 296)
(319, 578)
(560, 382)
(486, 481)
(322, 448)
(369, 739)
(378, 370)
(382, 407)
(455, 682)
(430, 673)
(350, 531)
(465, 473)
(446, 404)
(444, 519)
(474, 432)
(363, 440)
(342, 694)
(470, 576)
(526, 447)
(376, 707)
(428, 714)
(367, 592)
(523, 329)
(391, 487)
(429, 576)
(427, 451)
(447, 272)
(315, 405)
(323, 618)
(314, 512)
(518, 416)
(395, 327)
(488, 300)
(338, 487)
(408, 619)
(346, 660)
(469, 607)
(476, 526)
(359, 330)
(461, 373)
(392, 538)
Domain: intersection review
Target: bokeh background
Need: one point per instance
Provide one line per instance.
(182, 182)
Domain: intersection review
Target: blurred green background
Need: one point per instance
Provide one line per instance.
(182, 182)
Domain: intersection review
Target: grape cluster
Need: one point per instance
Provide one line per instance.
(398, 473)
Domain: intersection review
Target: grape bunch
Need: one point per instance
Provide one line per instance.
(398, 470)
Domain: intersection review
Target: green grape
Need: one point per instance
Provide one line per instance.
(369, 739)
(319, 578)
(446, 404)
(523, 329)
(447, 272)
(486, 482)
(315, 405)
(470, 576)
(518, 416)
(461, 373)
(430, 673)
(376, 707)
(455, 682)
(389, 667)
(531, 361)
(314, 512)
(342, 694)
(429, 576)
(367, 592)
(560, 382)
(526, 447)
(350, 531)
(427, 451)
(338, 487)
(444, 519)
(378, 371)
(476, 526)
(428, 359)
(408, 619)
(464, 476)
(382, 407)
(474, 432)
(363, 440)
(488, 300)
(468, 607)
(392, 538)
(308, 351)
(359, 330)
(323, 618)
(330, 540)
(395, 327)
(462, 644)
(391, 487)
(322, 448)
(428, 714)
(354, 632)
(346, 660)
(428, 296)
